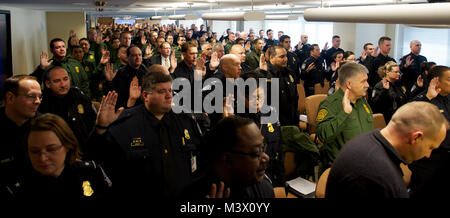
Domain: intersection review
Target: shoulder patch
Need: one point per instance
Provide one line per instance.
(321, 115)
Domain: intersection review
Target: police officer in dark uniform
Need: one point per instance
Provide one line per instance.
(410, 64)
(254, 99)
(302, 49)
(293, 60)
(313, 69)
(125, 75)
(235, 164)
(288, 96)
(270, 41)
(389, 94)
(22, 95)
(228, 71)
(384, 43)
(335, 43)
(59, 174)
(149, 151)
(429, 178)
(69, 103)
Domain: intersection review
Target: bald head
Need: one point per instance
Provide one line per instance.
(231, 66)
(415, 46)
(418, 115)
(158, 68)
(239, 51)
(304, 38)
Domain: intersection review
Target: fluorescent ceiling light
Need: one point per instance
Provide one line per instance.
(184, 17)
(435, 13)
(430, 26)
(237, 16)
(281, 17)
(160, 18)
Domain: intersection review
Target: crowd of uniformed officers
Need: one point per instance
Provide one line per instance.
(96, 121)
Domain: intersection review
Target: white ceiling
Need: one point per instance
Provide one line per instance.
(168, 7)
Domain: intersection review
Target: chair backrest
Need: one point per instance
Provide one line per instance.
(318, 89)
(301, 98)
(322, 183)
(312, 106)
(280, 192)
(378, 121)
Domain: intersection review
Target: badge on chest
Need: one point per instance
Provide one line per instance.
(137, 142)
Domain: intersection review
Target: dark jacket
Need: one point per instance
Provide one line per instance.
(316, 75)
(81, 180)
(410, 73)
(201, 187)
(121, 84)
(388, 101)
(272, 137)
(132, 153)
(288, 96)
(13, 161)
(75, 108)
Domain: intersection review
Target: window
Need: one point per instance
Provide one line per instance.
(435, 43)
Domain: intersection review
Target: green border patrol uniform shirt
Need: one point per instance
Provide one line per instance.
(335, 127)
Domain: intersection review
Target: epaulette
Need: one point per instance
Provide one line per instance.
(84, 164)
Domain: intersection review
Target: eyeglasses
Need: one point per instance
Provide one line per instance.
(33, 97)
(258, 154)
(50, 151)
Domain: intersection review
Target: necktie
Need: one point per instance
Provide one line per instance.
(168, 163)
(166, 63)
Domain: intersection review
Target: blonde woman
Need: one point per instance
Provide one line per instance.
(389, 94)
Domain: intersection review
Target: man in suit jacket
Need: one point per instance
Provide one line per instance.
(164, 57)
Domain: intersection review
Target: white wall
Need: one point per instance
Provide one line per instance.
(221, 27)
(367, 32)
(435, 43)
(29, 38)
(59, 25)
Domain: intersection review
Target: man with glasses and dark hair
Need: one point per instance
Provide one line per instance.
(149, 151)
(236, 163)
(22, 97)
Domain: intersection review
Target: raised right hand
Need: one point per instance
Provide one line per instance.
(107, 113)
(433, 90)
(109, 73)
(346, 102)
(44, 61)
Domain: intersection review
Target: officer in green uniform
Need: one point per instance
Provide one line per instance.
(230, 43)
(252, 58)
(94, 71)
(345, 113)
(181, 40)
(77, 74)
